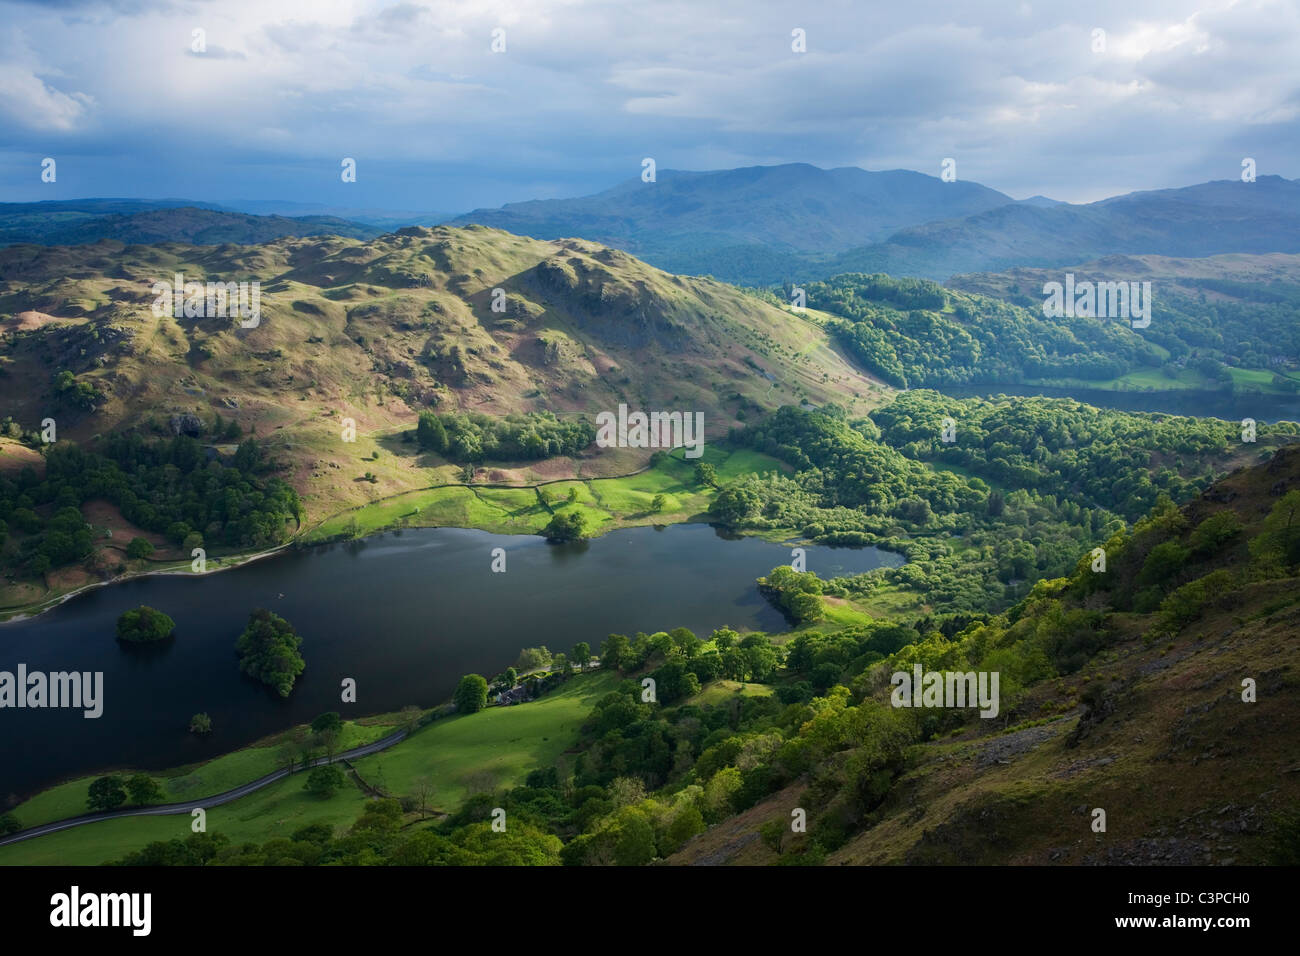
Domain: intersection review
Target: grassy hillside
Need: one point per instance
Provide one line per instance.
(493, 749)
(370, 334)
(1151, 726)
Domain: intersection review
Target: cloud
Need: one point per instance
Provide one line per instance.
(26, 100)
(585, 89)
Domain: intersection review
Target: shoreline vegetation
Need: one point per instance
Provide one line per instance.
(609, 505)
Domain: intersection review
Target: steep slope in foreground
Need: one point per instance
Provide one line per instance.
(376, 331)
(1153, 729)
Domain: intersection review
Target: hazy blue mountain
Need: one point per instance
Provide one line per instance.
(1213, 218)
(78, 221)
(756, 224)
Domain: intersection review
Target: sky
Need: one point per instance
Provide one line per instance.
(1028, 98)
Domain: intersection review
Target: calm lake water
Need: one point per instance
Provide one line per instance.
(405, 614)
(1203, 404)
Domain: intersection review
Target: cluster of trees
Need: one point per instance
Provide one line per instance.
(912, 332)
(471, 437)
(794, 592)
(144, 624)
(1205, 324)
(680, 662)
(269, 651)
(1124, 460)
(112, 791)
(81, 395)
(566, 526)
(1026, 483)
(377, 838)
(170, 487)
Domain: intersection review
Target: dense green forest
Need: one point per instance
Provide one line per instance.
(1025, 484)
(1212, 322)
(471, 437)
(171, 487)
(915, 333)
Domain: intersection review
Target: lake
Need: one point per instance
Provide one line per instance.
(405, 614)
(1229, 406)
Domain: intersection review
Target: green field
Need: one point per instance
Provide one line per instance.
(488, 750)
(609, 503)
(216, 776)
(494, 748)
(277, 810)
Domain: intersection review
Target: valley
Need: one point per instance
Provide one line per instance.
(403, 457)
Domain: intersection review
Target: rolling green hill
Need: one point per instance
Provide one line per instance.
(365, 335)
(1222, 322)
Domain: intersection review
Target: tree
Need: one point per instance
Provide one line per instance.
(430, 433)
(614, 651)
(566, 526)
(200, 724)
(471, 694)
(723, 638)
(560, 665)
(9, 824)
(144, 624)
(326, 723)
(531, 658)
(106, 793)
(327, 728)
(324, 780)
(268, 650)
(582, 654)
(144, 789)
(573, 494)
(658, 503)
(422, 793)
(511, 677)
(706, 474)
(139, 548)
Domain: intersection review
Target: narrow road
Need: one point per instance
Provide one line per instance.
(205, 803)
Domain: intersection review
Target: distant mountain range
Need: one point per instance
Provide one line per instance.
(761, 225)
(768, 224)
(134, 221)
(794, 207)
(1216, 218)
